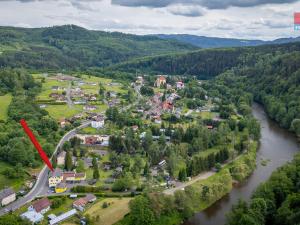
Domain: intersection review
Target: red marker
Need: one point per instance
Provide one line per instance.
(36, 143)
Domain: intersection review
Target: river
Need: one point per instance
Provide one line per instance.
(276, 145)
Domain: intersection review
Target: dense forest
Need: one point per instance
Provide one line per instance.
(275, 202)
(206, 63)
(71, 47)
(15, 147)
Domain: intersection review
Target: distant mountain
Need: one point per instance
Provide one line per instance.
(215, 42)
(73, 47)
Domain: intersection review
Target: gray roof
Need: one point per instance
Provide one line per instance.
(6, 192)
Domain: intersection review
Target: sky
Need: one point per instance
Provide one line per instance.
(247, 19)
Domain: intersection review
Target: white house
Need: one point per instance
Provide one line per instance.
(40, 206)
(32, 216)
(179, 85)
(61, 158)
(7, 196)
(98, 122)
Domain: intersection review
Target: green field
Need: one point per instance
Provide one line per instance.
(116, 210)
(62, 111)
(5, 101)
(47, 87)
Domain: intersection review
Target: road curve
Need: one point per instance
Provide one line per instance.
(41, 182)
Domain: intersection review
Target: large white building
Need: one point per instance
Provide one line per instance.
(98, 122)
(7, 196)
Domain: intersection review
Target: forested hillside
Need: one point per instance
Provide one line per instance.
(72, 47)
(217, 42)
(206, 63)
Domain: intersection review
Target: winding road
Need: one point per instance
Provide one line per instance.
(40, 187)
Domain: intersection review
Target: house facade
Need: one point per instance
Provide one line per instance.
(41, 206)
(161, 80)
(98, 122)
(61, 158)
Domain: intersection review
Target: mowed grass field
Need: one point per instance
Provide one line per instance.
(63, 111)
(4, 102)
(117, 209)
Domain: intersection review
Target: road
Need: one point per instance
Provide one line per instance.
(68, 96)
(201, 176)
(40, 187)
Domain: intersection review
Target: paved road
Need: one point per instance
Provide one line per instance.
(201, 176)
(40, 187)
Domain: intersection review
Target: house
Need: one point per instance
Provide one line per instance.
(32, 216)
(62, 122)
(90, 198)
(55, 178)
(73, 176)
(157, 121)
(62, 217)
(162, 163)
(161, 80)
(80, 102)
(210, 127)
(55, 88)
(61, 158)
(7, 196)
(139, 80)
(98, 122)
(82, 202)
(42, 106)
(61, 187)
(113, 94)
(91, 140)
(40, 206)
(89, 107)
(167, 106)
(179, 85)
(135, 127)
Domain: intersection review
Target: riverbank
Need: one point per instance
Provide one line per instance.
(204, 192)
(277, 146)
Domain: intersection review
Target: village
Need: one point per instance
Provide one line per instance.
(89, 149)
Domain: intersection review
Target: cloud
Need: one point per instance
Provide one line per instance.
(186, 10)
(209, 4)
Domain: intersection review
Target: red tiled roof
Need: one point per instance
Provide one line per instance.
(80, 202)
(41, 204)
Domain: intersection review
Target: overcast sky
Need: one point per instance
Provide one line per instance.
(251, 19)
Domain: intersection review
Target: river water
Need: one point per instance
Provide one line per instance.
(277, 145)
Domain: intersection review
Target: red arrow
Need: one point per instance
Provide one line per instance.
(36, 144)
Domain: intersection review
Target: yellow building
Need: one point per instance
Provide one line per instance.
(55, 178)
(61, 187)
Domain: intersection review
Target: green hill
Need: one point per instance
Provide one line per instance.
(73, 47)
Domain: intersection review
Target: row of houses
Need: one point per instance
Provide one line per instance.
(161, 81)
(58, 179)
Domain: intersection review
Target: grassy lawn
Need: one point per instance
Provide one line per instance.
(5, 182)
(5, 101)
(62, 111)
(47, 88)
(117, 209)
